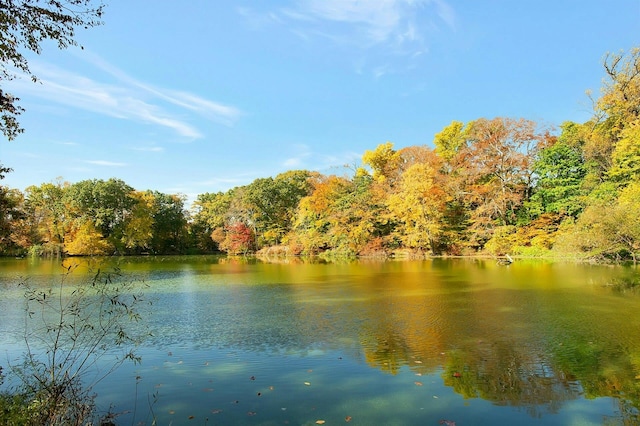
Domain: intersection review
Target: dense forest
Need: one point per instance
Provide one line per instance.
(495, 186)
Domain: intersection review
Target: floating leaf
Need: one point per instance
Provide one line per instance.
(191, 417)
(271, 388)
(253, 413)
(172, 412)
(347, 419)
(418, 383)
(448, 422)
(418, 362)
(217, 411)
(307, 384)
(320, 422)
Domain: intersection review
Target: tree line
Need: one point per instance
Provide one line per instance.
(497, 186)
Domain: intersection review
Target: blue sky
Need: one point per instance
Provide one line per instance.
(202, 96)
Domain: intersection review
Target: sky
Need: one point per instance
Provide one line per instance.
(203, 96)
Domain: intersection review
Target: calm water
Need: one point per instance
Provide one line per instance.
(368, 343)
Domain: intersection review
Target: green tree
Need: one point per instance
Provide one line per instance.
(24, 26)
(106, 204)
(49, 216)
(560, 172)
(169, 228)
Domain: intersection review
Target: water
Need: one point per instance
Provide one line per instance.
(394, 343)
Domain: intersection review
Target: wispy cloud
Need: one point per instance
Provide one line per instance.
(368, 23)
(127, 98)
(105, 163)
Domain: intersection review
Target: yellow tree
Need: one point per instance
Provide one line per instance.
(626, 155)
(138, 228)
(86, 240)
(452, 139)
(384, 161)
(616, 109)
(419, 205)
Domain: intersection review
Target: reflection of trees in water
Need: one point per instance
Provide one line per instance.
(512, 348)
(506, 374)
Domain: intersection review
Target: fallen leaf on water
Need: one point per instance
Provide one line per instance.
(347, 419)
(253, 413)
(271, 388)
(217, 411)
(172, 412)
(448, 422)
(307, 384)
(418, 362)
(191, 417)
(418, 383)
(418, 374)
(320, 422)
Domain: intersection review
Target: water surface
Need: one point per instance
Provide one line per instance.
(237, 341)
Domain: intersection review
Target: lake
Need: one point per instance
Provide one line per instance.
(436, 342)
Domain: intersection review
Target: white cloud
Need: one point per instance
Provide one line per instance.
(369, 23)
(127, 98)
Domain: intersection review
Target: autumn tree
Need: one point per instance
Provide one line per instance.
(24, 27)
(209, 217)
(452, 139)
(105, 204)
(270, 204)
(49, 216)
(313, 222)
(238, 239)
(384, 161)
(617, 108)
(138, 229)
(419, 205)
(496, 168)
